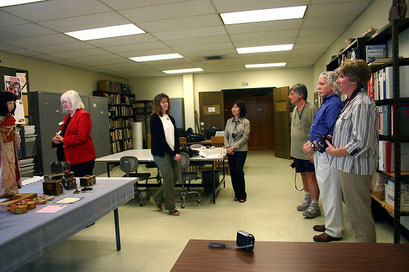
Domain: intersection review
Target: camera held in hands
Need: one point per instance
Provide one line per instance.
(321, 143)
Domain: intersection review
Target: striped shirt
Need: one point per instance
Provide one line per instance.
(357, 130)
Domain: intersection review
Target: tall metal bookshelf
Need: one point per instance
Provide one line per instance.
(389, 33)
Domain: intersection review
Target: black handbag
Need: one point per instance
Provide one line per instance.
(195, 137)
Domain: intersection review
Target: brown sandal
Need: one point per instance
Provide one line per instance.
(174, 212)
(158, 204)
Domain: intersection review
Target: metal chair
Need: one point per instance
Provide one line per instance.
(187, 177)
(130, 164)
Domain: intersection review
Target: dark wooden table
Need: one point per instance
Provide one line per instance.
(292, 256)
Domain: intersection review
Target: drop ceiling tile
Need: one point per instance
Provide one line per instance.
(264, 42)
(79, 53)
(337, 9)
(108, 62)
(117, 41)
(181, 23)
(136, 47)
(43, 40)
(196, 41)
(309, 39)
(168, 11)
(316, 2)
(126, 4)
(57, 48)
(147, 52)
(201, 54)
(190, 33)
(96, 58)
(242, 5)
(320, 44)
(49, 10)
(264, 36)
(168, 63)
(264, 26)
(322, 33)
(8, 19)
(7, 48)
(23, 31)
(201, 48)
(86, 22)
(25, 52)
(333, 21)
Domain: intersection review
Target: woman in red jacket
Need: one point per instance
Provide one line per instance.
(73, 141)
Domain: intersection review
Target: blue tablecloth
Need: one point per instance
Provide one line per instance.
(25, 237)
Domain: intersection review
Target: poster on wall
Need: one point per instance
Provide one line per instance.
(23, 81)
(13, 84)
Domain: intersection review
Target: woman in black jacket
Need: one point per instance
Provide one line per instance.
(165, 150)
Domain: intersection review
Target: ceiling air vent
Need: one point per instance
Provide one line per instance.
(213, 57)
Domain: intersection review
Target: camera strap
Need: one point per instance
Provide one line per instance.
(223, 245)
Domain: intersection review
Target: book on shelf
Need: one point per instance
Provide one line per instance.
(375, 51)
(386, 157)
(386, 123)
(380, 86)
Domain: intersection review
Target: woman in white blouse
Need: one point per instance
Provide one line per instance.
(166, 152)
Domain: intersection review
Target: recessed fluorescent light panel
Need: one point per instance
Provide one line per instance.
(6, 3)
(157, 57)
(267, 48)
(105, 32)
(183, 71)
(262, 15)
(263, 65)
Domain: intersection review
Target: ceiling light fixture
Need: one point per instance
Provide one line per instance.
(183, 71)
(263, 65)
(267, 48)
(262, 15)
(7, 3)
(157, 57)
(105, 32)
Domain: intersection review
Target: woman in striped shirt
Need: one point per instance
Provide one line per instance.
(354, 147)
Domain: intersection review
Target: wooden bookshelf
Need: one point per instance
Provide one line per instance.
(120, 113)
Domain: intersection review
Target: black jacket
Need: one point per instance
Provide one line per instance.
(158, 141)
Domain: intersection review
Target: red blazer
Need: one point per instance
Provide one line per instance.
(78, 145)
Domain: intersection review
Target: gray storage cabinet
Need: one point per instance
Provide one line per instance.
(46, 113)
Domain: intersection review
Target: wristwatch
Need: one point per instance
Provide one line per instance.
(313, 146)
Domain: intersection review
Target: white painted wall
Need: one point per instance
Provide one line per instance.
(376, 15)
(50, 77)
(147, 88)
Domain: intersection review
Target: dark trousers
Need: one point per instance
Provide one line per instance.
(83, 169)
(236, 164)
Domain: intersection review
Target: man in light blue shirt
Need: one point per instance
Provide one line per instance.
(327, 176)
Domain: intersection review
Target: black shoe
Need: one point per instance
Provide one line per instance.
(323, 237)
(242, 200)
(320, 228)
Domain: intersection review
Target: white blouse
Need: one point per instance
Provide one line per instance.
(169, 130)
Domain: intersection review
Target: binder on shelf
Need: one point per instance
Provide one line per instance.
(375, 51)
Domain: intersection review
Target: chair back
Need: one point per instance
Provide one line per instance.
(182, 142)
(217, 141)
(148, 141)
(184, 160)
(128, 164)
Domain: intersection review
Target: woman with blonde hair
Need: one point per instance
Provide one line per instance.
(73, 141)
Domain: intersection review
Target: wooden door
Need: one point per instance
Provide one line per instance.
(282, 123)
(260, 113)
(211, 109)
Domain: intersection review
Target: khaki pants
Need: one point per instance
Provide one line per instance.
(358, 201)
(171, 173)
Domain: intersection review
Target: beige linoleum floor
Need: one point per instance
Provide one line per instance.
(152, 240)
